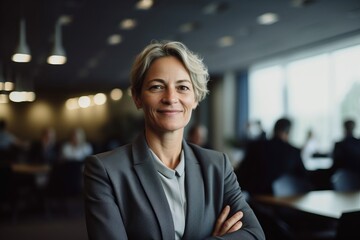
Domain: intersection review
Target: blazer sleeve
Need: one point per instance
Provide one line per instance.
(103, 218)
(233, 196)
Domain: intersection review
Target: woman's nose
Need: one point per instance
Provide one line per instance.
(170, 96)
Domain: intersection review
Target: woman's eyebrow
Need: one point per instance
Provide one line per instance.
(156, 80)
(183, 81)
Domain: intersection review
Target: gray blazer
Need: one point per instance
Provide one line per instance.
(124, 198)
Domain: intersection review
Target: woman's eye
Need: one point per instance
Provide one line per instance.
(156, 87)
(183, 88)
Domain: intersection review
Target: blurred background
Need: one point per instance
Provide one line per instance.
(64, 82)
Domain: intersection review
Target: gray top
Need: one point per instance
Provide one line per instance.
(173, 182)
(6, 139)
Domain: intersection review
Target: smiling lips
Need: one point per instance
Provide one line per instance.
(169, 112)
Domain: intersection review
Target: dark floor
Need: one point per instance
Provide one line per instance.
(58, 223)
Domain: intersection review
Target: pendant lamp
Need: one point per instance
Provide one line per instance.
(22, 53)
(58, 56)
(5, 85)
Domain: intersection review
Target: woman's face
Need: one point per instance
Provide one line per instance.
(167, 96)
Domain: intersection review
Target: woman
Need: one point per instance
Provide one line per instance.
(77, 148)
(160, 187)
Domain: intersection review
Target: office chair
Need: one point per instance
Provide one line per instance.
(348, 226)
(64, 185)
(345, 180)
(290, 185)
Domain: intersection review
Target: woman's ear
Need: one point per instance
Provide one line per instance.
(195, 105)
(137, 102)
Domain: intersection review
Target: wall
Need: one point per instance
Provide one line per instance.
(223, 103)
(120, 119)
(113, 119)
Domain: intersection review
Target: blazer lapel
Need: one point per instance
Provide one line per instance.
(194, 193)
(152, 186)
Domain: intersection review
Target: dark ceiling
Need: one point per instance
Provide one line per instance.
(94, 65)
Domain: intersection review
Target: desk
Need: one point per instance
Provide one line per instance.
(325, 203)
(39, 172)
(25, 168)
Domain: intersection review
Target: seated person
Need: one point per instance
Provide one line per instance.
(77, 148)
(198, 135)
(346, 152)
(267, 160)
(45, 150)
(10, 145)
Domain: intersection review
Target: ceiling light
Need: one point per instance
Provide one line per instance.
(72, 104)
(22, 52)
(215, 7)
(116, 94)
(210, 8)
(4, 98)
(8, 86)
(84, 101)
(30, 97)
(144, 4)
(268, 18)
(226, 41)
(24, 90)
(22, 96)
(128, 24)
(114, 39)
(99, 99)
(65, 19)
(302, 3)
(188, 27)
(16, 96)
(58, 56)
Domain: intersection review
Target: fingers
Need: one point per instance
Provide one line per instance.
(232, 224)
(221, 219)
(235, 227)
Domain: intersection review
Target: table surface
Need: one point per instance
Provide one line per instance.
(30, 168)
(326, 203)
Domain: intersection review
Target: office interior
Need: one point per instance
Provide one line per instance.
(267, 60)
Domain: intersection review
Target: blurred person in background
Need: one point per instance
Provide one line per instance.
(255, 131)
(11, 146)
(159, 186)
(46, 149)
(198, 135)
(346, 153)
(77, 148)
(266, 161)
(310, 147)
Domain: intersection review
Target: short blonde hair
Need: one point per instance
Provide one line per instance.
(193, 63)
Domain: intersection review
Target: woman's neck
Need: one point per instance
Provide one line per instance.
(166, 146)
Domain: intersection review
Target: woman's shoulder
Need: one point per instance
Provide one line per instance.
(119, 156)
(114, 153)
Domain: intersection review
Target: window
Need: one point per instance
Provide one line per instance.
(316, 92)
(266, 95)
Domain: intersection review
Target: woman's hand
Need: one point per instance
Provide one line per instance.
(224, 225)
